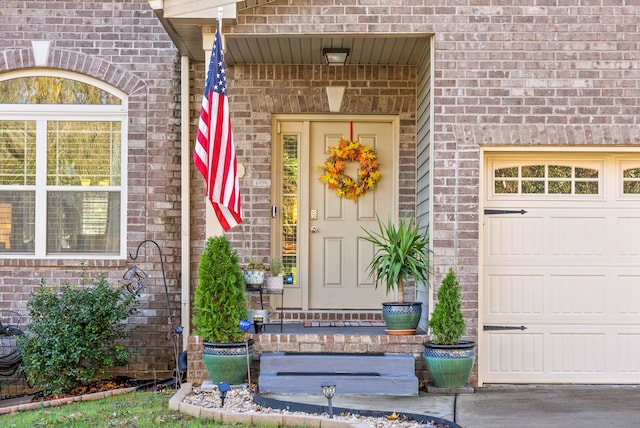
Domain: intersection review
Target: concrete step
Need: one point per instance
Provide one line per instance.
(372, 374)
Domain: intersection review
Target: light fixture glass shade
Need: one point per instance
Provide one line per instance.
(335, 56)
(329, 389)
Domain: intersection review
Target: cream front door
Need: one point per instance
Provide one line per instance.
(338, 257)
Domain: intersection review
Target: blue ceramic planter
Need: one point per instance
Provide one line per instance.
(401, 318)
(449, 365)
(227, 362)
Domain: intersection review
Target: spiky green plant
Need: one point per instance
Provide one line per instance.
(220, 302)
(400, 252)
(447, 323)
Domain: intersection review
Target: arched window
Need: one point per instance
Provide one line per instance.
(62, 166)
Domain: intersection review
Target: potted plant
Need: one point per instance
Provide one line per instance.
(449, 360)
(400, 253)
(219, 306)
(254, 275)
(275, 281)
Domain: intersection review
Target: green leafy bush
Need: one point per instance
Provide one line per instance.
(220, 302)
(74, 334)
(447, 323)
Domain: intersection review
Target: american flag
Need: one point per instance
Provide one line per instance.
(214, 154)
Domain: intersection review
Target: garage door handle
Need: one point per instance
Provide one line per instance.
(502, 327)
(490, 212)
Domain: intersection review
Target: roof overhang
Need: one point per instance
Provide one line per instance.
(185, 21)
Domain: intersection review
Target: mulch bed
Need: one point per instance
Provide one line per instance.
(102, 386)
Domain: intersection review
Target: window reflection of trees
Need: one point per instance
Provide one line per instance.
(631, 181)
(82, 174)
(540, 179)
(290, 203)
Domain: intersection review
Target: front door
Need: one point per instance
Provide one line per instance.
(338, 258)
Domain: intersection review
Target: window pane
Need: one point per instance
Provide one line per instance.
(586, 188)
(505, 186)
(17, 221)
(586, 173)
(83, 153)
(536, 171)
(631, 173)
(53, 90)
(631, 187)
(557, 171)
(17, 152)
(560, 187)
(533, 187)
(507, 172)
(290, 204)
(83, 222)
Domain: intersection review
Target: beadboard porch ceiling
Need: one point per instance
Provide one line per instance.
(185, 23)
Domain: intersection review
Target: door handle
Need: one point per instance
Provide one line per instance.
(314, 229)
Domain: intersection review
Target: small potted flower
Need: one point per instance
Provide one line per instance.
(275, 280)
(254, 275)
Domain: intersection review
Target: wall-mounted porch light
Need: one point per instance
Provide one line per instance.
(336, 56)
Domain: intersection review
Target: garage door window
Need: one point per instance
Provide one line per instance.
(546, 179)
(631, 181)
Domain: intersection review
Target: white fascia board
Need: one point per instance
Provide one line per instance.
(199, 8)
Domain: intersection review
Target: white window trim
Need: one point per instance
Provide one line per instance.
(48, 112)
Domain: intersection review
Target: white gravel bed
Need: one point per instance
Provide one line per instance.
(240, 400)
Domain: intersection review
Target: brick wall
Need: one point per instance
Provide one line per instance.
(123, 44)
(327, 343)
(505, 73)
(511, 72)
(256, 92)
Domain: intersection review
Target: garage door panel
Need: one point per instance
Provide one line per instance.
(628, 297)
(562, 354)
(515, 236)
(575, 352)
(628, 236)
(629, 352)
(558, 240)
(515, 353)
(577, 236)
(577, 295)
(514, 295)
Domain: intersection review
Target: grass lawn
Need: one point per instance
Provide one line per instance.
(135, 409)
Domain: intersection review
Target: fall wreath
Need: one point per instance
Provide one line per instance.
(334, 169)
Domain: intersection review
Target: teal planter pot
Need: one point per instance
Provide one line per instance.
(401, 318)
(227, 362)
(449, 365)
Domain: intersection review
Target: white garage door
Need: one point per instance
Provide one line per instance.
(561, 258)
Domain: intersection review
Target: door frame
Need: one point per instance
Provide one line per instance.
(299, 293)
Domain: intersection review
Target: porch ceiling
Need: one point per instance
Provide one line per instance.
(306, 49)
(185, 29)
